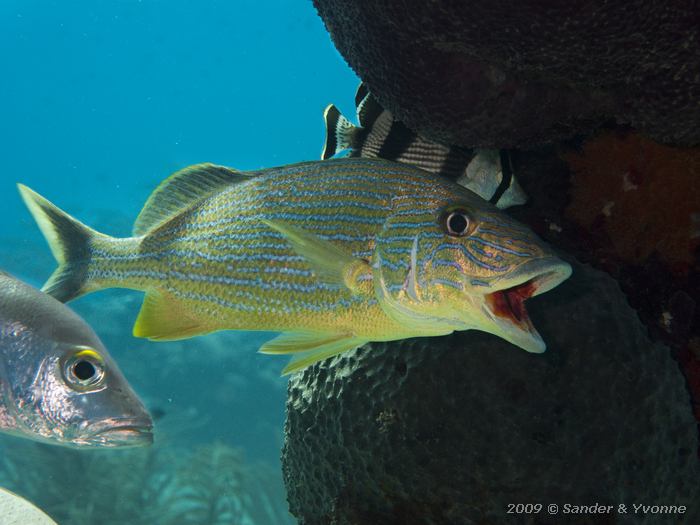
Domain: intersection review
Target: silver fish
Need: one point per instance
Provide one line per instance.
(488, 173)
(58, 383)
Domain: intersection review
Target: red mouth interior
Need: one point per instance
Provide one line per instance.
(510, 303)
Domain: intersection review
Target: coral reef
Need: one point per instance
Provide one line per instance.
(505, 74)
(451, 430)
(210, 485)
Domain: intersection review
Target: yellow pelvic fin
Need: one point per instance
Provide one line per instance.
(163, 317)
(309, 348)
(183, 190)
(332, 264)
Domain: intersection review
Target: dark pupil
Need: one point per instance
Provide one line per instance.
(457, 223)
(84, 370)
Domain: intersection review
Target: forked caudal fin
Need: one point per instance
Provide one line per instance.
(69, 240)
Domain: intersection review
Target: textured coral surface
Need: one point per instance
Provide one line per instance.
(450, 430)
(503, 74)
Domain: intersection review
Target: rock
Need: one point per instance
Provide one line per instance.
(515, 74)
(451, 430)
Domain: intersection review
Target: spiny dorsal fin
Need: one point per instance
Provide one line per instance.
(339, 132)
(368, 109)
(182, 190)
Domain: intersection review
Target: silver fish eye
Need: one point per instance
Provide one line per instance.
(84, 369)
(457, 223)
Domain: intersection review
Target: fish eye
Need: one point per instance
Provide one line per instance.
(84, 369)
(456, 223)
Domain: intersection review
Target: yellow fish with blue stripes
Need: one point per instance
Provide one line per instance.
(332, 253)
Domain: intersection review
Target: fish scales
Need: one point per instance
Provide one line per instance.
(230, 244)
(332, 253)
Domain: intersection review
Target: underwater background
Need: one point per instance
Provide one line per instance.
(100, 101)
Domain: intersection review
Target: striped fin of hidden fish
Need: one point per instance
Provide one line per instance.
(15, 510)
(488, 173)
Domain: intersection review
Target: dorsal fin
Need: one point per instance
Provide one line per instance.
(368, 109)
(182, 190)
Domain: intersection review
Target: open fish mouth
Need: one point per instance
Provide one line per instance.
(506, 306)
(121, 433)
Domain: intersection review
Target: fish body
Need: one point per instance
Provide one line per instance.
(488, 173)
(58, 383)
(333, 253)
(15, 510)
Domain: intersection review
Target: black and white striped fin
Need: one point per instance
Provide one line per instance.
(339, 132)
(368, 109)
(361, 94)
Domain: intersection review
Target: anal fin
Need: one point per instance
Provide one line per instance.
(163, 317)
(309, 348)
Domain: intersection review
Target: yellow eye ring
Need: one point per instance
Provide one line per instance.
(85, 369)
(88, 352)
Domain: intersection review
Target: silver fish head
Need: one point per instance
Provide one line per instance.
(59, 384)
(456, 262)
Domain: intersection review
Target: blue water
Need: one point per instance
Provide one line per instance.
(99, 102)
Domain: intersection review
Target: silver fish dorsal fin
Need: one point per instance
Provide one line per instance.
(182, 190)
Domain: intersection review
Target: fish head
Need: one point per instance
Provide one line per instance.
(71, 392)
(456, 262)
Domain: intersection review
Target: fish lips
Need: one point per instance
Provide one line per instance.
(505, 306)
(120, 433)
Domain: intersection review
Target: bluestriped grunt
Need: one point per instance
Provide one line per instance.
(333, 253)
(487, 172)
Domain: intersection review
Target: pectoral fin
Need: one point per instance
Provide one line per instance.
(332, 264)
(164, 318)
(309, 348)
